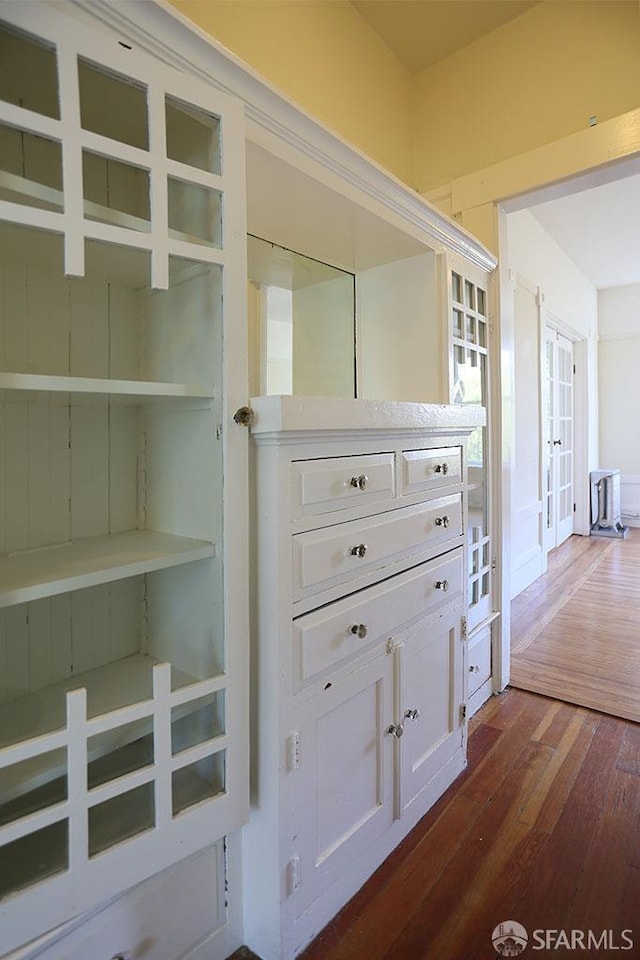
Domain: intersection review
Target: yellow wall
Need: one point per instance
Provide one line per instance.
(322, 55)
(534, 80)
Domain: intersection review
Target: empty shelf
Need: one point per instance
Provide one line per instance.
(69, 389)
(47, 571)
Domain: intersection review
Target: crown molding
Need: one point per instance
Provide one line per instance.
(271, 117)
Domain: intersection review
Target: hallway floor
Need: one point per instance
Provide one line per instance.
(576, 631)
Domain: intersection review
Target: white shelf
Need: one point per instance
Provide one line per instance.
(109, 687)
(74, 389)
(47, 571)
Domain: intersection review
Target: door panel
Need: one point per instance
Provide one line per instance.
(558, 446)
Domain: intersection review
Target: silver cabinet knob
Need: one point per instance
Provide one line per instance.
(412, 714)
(443, 521)
(474, 668)
(359, 630)
(397, 729)
(359, 482)
(359, 550)
(441, 468)
(441, 585)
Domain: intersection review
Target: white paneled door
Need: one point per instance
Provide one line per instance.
(558, 372)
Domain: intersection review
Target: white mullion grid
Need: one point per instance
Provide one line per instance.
(118, 718)
(34, 747)
(115, 149)
(120, 785)
(77, 780)
(72, 183)
(49, 220)
(111, 233)
(25, 826)
(195, 175)
(159, 188)
(208, 748)
(196, 251)
(195, 691)
(24, 119)
(458, 342)
(162, 744)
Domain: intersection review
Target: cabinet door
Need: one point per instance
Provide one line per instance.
(342, 800)
(430, 696)
(123, 558)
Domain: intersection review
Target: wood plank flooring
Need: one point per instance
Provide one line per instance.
(543, 828)
(576, 631)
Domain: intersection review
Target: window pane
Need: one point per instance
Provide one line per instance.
(113, 106)
(28, 73)
(198, 781)
(112, 188)
(193, 137)
(34, 165)
(121, 817)
(34, 857)
(195, 213)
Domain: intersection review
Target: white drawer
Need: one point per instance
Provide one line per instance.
(343, 629)
(321, 486)
(426, 470)
(345, 551)
(479, 659)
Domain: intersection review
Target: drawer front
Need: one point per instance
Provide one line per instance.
(426, 470)
(479, 660)
(343, 552)
(327, 637)
(321, 486)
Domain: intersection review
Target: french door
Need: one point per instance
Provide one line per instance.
(558, 438)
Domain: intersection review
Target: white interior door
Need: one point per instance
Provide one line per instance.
(558, 435)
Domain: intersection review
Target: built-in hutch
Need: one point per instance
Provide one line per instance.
(360, 633)
(135, 157)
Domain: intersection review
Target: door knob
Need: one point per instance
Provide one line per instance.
(441, 468)
(360, 481)
(442, 521)
(442, 585)
(412, 714)
(397, 729)
(359, 550)
(359, 630)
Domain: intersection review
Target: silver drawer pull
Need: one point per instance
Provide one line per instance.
(412, 714)
(397, 729)
(360, 481)
(359, 630)
(474, 668)
(442, 585)
(443, 521)
(359, 550)
(441, 468)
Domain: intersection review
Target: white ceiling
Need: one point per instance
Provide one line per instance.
(599, 229)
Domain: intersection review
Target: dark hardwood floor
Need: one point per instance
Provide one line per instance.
(542, 828)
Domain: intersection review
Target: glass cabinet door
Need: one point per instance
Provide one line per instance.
(470, 342)
(123, 634)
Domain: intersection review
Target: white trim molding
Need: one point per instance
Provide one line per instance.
(273, 120)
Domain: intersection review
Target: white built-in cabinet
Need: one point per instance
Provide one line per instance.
(360, 636)
(123, 624)
(135, 155)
